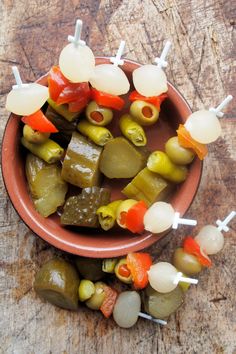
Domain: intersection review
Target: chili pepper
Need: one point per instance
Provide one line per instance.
(139, 264)
(155, 100)
(107, 100)
(192, 247)
(187, 141)
(134, 217)
(39, 122)
(109, 301)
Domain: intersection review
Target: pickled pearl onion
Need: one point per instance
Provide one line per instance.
(27, 100)
(161, 277)
(210, 239)
(159, 217)
(77, 63)
(110, 79)
(149, 80)
(203, 126)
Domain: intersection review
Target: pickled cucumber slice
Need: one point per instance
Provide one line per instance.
(148, 186)
(81, 163)
(80, 210)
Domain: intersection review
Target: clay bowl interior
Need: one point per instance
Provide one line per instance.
(93, 242)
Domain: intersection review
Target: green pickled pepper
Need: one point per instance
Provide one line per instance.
(132, 130)
(99, 135)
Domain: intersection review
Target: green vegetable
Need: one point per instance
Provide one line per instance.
(159, 162)
(90, 268)
(46, 186)
(162, 305)
(34, 136)
(81, 163)
(186, 263)
(86, 289)
(107, 215)
(57, 282)
(124, 279)
(95, 302)
(49, 151)
(98, 115)
(148, 186)
(99, 135)
(80, 210)
(178, 154)
(108, 265)
(62, 109)
(120, 159)
(65, 127)
(132, 130)
(144, 113)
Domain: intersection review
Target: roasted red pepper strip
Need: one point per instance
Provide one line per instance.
(56, 82)
(73, 92)
(79, 104)
(192, 247)
(109, 301)
(134, 217)
(39, 122)
(139, 264)
(155, 100)
(107, 100)
(187, 141)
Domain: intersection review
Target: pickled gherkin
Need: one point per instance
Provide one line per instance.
(63, 110)
(46, 186)
(148, 186)
(65, 127)
(81, 163)
(80, 210)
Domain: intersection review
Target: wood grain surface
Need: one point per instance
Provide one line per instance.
(202, 66)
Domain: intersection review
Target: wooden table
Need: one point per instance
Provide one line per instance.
(201, 67)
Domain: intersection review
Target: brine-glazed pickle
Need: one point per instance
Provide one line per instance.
(46, 186)
(121, 159)
(159, 162)
(62, 109)
(80, 210)
(49, 151)
(81, 163)
(148, 186)
(64, 126)
(132, 130)
(99, 135)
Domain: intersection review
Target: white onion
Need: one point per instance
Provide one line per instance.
(161, 277)
(149, 80)
(203, 126)
(127, 308)
(159, 217)
(77, 63)
(210, 239)
(27, 100)
(110, 79)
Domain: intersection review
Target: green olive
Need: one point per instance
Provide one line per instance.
(86, 289)
(162, 305)
(177, 153)
(98, 115)
(34, 136)
(90, 268)
(108, 264)
(96, 300)
(57, 282)
(186, 263)
(125, 279)
(144, 113)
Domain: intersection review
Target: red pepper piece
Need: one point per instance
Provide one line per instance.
(39, 122)
(78, 105)
(124, 271)
(74, 92)
(192, 247)
(187, 141)
(56, 82)
(155, 100)
(107, 100)
(109, 301)
(139, 264)
(134, 217)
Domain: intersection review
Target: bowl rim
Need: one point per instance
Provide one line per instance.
(93, 252)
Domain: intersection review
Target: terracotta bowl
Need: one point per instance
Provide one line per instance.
(96, 243)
